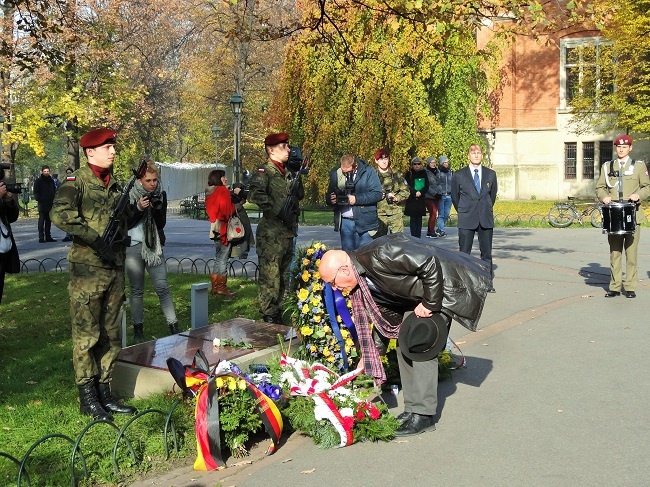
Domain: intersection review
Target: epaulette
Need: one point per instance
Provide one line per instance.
(71, 178)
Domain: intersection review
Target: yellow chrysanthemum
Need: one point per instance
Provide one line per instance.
(345, 333)
(327, 329)
(326, 352)
(305, 276)
(319, 246)
(220, 382)
(303, 294)
(242, 385)
(232, 384)
(317, 318)
(310, 251)
(317, 286)
(349, 342)
(317, 274)
(306, 262)
(392, 345)
(305, 309)
(306, 331)
(313, 348)
(331, 358)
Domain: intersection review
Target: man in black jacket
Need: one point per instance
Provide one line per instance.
(392, 277)
(44, 192)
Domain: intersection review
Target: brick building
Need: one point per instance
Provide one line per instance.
(531, 142)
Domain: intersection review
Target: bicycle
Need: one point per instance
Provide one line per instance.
(563, 214)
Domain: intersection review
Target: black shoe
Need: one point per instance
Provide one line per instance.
(404, 417)
(50, 239)
(41, 240)
(67, 239)
(612, 294)
(111, 404)
(418, 423)
(630, 294)
(492, 290)
(138, 333)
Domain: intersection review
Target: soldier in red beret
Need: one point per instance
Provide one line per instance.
(82, 208)
(269, 187)
(624, 180)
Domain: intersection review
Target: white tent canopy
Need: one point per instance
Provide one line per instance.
(183, 179)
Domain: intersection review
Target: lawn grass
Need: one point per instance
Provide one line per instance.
(38, 396)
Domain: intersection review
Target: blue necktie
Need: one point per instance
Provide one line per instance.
(477, 183)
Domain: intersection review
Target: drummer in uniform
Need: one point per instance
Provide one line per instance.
(633, 175)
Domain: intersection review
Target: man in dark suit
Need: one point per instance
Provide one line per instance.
(473, 193)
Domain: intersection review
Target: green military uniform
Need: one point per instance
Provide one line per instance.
(635, 180)
(268, 190)
(391, 215)
(82, 208)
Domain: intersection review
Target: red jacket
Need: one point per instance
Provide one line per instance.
(218, 206)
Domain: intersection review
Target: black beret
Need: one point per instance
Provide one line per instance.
(97, 137)
(275, 139)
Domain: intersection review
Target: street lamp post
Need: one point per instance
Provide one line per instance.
(236, 103)
(216, 130)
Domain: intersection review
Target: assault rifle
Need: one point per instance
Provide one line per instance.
(114, 227)
(290, 208)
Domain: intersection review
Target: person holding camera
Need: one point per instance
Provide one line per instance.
(9, 260)
(145, 252)
(390, 209)
(353, 191)
(83, 207)
(269, 188)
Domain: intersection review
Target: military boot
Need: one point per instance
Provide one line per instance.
(110, 403)
(89, 404)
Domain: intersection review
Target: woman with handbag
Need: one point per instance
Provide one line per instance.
(220, 209)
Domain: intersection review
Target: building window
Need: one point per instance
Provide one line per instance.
(605, 152)
(570, 160)
(580, 71)
(588, 160)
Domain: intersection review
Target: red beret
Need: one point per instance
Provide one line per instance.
(275, 139)
(623, 140)
(97, 137)
(381, 152)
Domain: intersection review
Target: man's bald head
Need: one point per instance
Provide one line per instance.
(336, 270)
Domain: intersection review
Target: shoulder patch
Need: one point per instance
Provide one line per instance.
(260, 169)
(71, 178)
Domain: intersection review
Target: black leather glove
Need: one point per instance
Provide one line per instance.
(103, 250)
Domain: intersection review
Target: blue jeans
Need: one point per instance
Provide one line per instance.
(221, 254)
(350, 238)
(444, 207)
(135, 267)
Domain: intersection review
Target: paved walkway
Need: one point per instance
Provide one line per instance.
(555, 393)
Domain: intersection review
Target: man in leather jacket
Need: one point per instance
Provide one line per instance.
(403, 275)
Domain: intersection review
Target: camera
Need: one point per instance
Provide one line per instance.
(15, 188)
(295, 158)
(343, 196)
(155, 200)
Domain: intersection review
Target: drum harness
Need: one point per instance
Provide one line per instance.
(619, 175)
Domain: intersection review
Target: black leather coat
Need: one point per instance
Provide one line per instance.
(407, 272)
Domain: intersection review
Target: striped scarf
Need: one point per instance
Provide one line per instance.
(366, 312)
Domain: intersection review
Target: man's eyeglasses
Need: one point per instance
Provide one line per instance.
(417, 163)
(333, 281)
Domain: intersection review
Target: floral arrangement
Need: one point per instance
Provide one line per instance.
(310, 317)
(329, 408)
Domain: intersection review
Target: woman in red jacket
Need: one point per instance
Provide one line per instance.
(219, 208)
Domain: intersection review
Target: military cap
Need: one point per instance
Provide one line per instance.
(623, 140)
(97, 137)
(275, 139)
(381, 153)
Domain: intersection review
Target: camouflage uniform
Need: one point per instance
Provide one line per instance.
(268, 190)
(391, 215)
(82, 208)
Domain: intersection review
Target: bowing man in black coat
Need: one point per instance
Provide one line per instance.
(474, 206)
